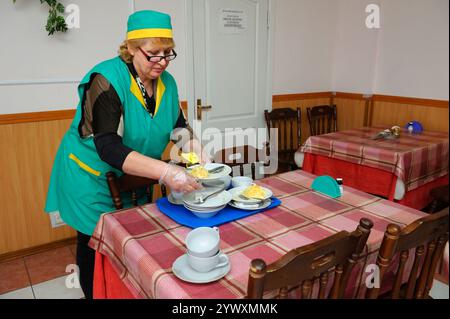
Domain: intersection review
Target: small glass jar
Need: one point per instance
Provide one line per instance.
(340, 182)
(410, 127)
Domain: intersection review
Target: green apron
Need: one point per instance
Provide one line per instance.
(78, 188)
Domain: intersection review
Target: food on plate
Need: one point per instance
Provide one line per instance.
(191, 158)
(254, 191)
(199, 172)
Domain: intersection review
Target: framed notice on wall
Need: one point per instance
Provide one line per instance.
(232, 21)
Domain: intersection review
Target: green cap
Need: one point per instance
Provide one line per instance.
(149, 24)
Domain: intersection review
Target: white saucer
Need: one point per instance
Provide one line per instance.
(183, 271)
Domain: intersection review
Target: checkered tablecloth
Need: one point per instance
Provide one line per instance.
(415, 159)
(142, 243)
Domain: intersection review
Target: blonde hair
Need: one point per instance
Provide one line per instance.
(161, 43)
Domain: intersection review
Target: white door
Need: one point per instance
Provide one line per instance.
(231, 63)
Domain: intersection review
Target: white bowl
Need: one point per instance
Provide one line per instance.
(214, 201)
(205, 214)
(223, 182)
(203, 241)
(239, 181)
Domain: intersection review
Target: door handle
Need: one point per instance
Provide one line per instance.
(201, 108)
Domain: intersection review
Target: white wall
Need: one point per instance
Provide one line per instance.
(413, 49)
(319, 45)
(355, 47)
(303, 45)
(28, 55)
(407, 56)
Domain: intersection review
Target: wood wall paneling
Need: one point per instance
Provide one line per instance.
(29, 142)
(432, 118)
(28, 153)
(350, 113)
(36, 117)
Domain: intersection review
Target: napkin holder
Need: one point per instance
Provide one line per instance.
(326, 185)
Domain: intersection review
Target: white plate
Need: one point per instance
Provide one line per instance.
(244, 206)
(235, 192)
(183, 271)
(226, 171)
(217, 200)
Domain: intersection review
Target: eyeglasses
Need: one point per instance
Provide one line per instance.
(159, 58)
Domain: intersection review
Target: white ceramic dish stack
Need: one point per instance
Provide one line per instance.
(203, 261)
(210, 207)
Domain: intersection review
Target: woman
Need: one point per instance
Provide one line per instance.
(128, 108)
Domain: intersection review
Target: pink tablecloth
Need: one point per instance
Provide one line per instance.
(415, 159)
(142, 244)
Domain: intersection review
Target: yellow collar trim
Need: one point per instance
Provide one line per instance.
(160, 89)
(150, 33)
(134, 88)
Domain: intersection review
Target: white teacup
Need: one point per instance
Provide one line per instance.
(203, 241)
(206, 264)
(239, 181)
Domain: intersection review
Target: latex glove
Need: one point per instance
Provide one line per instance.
(178, 180)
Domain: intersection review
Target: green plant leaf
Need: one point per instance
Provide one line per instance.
(60, 8)
(55, 19)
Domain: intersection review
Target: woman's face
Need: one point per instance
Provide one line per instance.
(150, 70)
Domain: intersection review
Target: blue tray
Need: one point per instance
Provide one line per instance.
(184, 217)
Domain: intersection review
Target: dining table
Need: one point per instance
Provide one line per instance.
(403, 169)
(136, 247)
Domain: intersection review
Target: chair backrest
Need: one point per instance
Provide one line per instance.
(241, 156)
(428, 236)
(288, 122)
(305, 265)
(440, 199)
(130, 183)
(322, 119)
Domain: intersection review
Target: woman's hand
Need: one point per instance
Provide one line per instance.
(178, 180)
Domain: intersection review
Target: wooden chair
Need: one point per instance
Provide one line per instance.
(242, 156)
(304, 265)
(288, 122)
(440, 199)
(130, 183)
(428, 236)
(322, 119)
